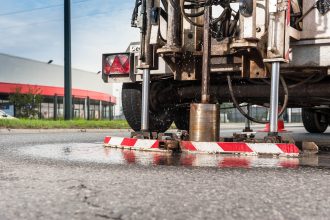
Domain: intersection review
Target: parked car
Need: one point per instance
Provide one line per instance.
(4, 115)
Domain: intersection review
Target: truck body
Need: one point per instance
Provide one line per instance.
(245, 38)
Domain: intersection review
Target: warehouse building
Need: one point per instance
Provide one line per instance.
(91, 99)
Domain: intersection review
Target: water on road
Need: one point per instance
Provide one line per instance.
(97, 153)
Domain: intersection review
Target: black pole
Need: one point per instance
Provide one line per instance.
(72, 110)
(88, 108)
(55, 106)
(39, 111)
(109, 112)
(67, 61)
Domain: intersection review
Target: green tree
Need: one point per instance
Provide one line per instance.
(26, 104)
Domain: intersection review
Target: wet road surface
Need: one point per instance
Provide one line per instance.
(96, 153)
(71, 176)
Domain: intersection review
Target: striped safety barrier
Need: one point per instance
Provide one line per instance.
(283, 149)
(241, 148)
(131, 143)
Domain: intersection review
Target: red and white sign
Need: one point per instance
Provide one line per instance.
(117, 64)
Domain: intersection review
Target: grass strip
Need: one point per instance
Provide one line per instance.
(61, 124)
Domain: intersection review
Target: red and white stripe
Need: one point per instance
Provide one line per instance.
(207, 147)
(241, 148)
(131, 143)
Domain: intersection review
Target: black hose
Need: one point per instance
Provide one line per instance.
(302, 82)
(185, 15)
(175, 6)
(143, 30)
(285, 104)
(172, 3)
(222, 26)
(242, 106)
(165, 4)
(164, 15)
(138, 3)
(318, 79)
(195, 15)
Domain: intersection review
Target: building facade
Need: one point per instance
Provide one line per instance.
(91, 99)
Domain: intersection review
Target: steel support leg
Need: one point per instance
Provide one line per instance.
(274, 98)
(206, 56)
(145, 100)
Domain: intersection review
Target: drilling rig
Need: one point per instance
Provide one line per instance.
(194, 55)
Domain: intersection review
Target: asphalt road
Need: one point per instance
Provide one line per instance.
(36, 187)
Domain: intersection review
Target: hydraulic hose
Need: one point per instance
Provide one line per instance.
(164, 15)
(165, 4)
(138, 3)
(221, 27)
(236, 104)
(302, 82)
(186, 16)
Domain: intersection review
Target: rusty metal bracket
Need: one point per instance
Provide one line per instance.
(253, 65)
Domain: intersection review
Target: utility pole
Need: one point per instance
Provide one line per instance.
(67, 61)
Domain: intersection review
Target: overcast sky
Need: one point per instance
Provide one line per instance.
(34, 29)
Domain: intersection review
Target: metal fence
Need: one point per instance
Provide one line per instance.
(232, 115)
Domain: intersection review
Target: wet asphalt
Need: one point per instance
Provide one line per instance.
(71, 176)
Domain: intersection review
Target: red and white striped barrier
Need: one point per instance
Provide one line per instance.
(207, 147)
(240, 148)
(131, 143)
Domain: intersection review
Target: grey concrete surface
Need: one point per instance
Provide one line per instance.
(35, 188)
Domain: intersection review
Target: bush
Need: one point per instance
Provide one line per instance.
(26, 104)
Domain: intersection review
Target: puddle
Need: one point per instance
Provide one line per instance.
(98, 154)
